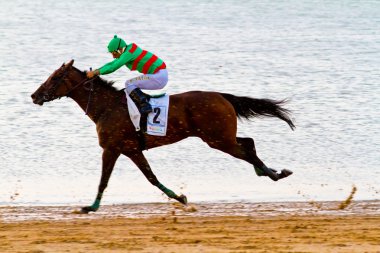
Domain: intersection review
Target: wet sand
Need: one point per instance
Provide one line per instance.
(200, 227)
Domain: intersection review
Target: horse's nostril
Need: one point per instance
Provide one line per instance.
(33, 96)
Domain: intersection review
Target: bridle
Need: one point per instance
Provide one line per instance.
(50, 94)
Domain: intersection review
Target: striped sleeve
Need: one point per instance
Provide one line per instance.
(116, 64)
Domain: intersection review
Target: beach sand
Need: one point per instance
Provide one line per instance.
(200, 227)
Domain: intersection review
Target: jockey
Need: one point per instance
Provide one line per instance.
(155, 75)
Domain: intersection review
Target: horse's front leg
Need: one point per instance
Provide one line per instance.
(108, 162)
(141, 162)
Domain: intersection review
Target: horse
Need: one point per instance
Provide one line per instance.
(211, 116)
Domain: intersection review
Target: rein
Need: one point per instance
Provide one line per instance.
(91, 89)
(79, 84)
(89, 95)
(49, 97)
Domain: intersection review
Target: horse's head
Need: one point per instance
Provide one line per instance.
(56, 86)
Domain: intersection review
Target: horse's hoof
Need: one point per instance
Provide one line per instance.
(271, 173)
(87, 209)
(182, 198)
(285, 173)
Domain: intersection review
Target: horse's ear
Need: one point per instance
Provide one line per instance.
(70, 63)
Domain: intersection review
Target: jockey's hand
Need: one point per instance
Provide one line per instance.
(91, 74)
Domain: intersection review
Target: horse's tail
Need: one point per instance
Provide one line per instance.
(254, 107)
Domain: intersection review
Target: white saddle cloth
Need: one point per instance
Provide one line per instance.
(157, 120)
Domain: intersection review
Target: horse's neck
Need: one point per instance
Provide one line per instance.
(95, 102)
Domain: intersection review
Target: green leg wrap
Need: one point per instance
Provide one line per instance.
(167, 191)
(259, 171)
(96, 204)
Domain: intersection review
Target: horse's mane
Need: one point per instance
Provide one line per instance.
(100, 81)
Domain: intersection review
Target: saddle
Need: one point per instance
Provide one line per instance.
(140, 120)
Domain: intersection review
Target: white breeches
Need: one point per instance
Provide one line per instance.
(148, 81)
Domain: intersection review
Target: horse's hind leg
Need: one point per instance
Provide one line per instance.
(141, 162)
(261, 170)
(249, 147)
(244, 148)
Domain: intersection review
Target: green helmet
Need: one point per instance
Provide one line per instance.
(115, 44)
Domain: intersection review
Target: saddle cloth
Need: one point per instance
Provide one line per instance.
(157, 120)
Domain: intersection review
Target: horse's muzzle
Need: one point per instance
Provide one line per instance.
(38, 99)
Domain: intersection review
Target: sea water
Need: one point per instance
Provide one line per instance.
(324, 56)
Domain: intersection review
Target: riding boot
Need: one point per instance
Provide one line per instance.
(141, 101)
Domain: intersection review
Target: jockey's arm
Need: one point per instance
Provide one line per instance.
(115, 64)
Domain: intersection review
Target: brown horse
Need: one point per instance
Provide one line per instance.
(211, 116)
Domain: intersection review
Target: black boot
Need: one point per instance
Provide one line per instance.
(141, 101)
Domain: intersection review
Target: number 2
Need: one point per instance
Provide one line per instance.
(157, 111)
